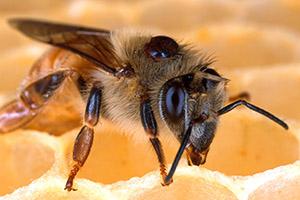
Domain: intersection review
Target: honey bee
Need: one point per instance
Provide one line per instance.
(139, 81)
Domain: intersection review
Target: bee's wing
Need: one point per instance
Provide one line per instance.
(213, 77)
(90, 43)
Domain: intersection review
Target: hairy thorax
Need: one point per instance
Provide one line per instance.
(121, 102)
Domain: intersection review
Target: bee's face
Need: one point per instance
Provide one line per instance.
(189, 98)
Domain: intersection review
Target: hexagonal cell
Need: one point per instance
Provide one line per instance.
(243, 46)
(26, 159)
(285, 187)
(247, 143)
(187, 187)
(274, 88)
(50, 188)
(191, 15)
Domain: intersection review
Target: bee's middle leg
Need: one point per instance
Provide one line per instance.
(84, 139)
(150, 127)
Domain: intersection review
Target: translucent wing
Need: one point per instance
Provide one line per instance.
(90, 43)
(213, 77)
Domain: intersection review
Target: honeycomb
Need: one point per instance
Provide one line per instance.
(257, 46)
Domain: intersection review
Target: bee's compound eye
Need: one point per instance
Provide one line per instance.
(161, 47)
(175, 102)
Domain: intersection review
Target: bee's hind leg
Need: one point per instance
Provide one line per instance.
(14, 115)
(84, 139)
(32, 98)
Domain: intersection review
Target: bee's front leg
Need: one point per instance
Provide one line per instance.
(241, 95)
(84, 139)
(150, 127)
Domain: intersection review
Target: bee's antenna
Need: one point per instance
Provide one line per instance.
(272, 117)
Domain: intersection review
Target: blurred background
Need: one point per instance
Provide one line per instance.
(256, 44)
(247, 34)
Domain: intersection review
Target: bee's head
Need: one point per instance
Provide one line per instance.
(194, 97)
(182, 85)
